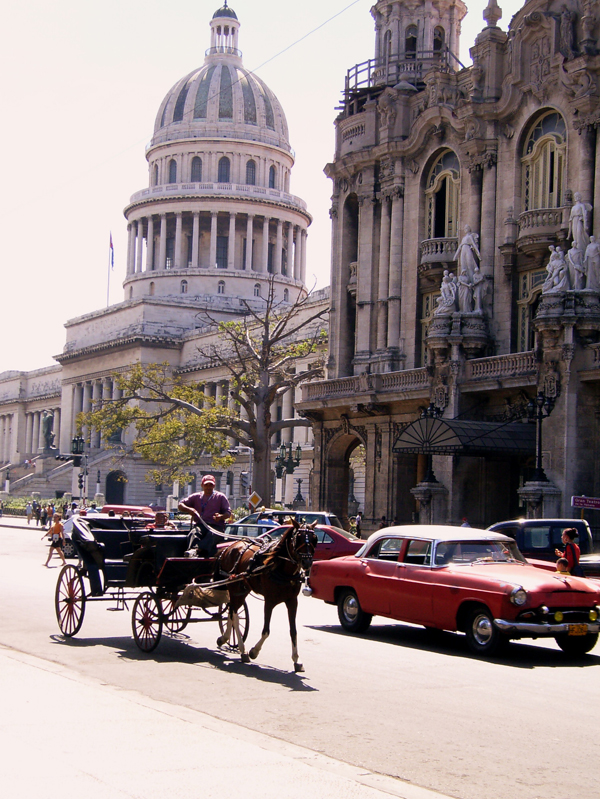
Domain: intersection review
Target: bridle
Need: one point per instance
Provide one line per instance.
(302, 554)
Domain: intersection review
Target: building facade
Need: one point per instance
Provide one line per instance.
(215, 228)
(465, 315)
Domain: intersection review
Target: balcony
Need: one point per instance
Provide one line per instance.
(218, 190)
(539, 228)
(408, 380)
(519, 366)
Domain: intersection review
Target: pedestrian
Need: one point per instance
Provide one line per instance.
(56, 535)
(465, 522)
(1, 508)
(44, 516)
(359, 525)
(571, 551)
(562, 566)
(29, 512)
(382, 523)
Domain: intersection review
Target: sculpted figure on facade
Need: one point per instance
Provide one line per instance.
(567, 37)
(576, 267)
(467, 252)
(465, 293)
(552, 268)
(478, 290)
(446, 302)
(560, 273)
(47, 425)
(579, 222)
(592, 265)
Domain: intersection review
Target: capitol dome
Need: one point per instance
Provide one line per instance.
(217, 224)
(221, 98)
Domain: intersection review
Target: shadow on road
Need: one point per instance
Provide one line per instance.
(177, 649)
(519, 654)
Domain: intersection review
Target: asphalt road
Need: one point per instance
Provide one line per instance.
(394, 701)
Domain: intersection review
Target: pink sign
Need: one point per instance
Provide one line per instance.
(586, 502)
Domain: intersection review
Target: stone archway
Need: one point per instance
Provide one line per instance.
(337, 473)
(115, 487)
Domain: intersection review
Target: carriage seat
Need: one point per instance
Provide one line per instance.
(165, 545)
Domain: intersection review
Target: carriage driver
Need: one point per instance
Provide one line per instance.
(210, 505)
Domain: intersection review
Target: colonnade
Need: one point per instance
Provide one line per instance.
(184, 229)
(34, 437)
(86, 396)
(7, 421)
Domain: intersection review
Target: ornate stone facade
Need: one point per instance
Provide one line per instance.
(450, 184)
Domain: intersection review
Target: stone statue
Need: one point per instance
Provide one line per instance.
(465, 294)
(446, 302)
(47, 425)
(561, 281)
(467, 251)
(576, 267)
(592, 265)
(478, 289)
(579, 222)
(553, 268)
(567, 38)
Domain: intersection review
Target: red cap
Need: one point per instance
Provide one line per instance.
(208, 478)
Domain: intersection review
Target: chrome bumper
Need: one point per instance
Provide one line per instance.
(542, 629)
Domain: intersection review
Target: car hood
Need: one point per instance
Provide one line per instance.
(532, 578)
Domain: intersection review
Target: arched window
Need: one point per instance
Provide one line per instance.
(251, 173)
(442, 197)
(172, 171)
(196, 176)
(439, 38)
(286, 295)
(224, 170)
(410, 42)
(272, 177)
(543, 163)
(257, 289)
(155, 180)
(184, 286)
(151, 289)
(387, 45)
(221, 287)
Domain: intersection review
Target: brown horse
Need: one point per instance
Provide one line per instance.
(276, 574)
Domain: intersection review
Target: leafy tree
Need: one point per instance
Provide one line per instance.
(176, 421)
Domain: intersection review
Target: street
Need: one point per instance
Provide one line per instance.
(395, 701)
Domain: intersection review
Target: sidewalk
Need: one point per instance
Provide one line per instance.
(64, 736)
(20, 522)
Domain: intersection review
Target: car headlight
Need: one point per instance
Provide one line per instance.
(518, 596)
(593, 615)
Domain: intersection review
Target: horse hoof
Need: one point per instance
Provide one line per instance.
(221, 640)
(298, 667)
(245, 658)
(253, 654)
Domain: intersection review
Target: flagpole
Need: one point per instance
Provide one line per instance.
(108, 278)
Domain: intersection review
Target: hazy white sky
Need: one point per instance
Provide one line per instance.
(81, 83)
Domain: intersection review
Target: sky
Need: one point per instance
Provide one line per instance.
(81, 84)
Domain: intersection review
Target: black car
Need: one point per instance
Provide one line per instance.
(538, 538)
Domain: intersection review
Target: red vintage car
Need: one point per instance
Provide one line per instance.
(456, 578)
(332, 542)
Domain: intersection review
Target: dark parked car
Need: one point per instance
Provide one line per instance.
(538, 538)
(275, 517)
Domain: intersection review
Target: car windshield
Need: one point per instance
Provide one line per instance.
(468, 552)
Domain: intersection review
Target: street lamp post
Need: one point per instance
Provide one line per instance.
(431, 412)
(287, 460)
(538, 409)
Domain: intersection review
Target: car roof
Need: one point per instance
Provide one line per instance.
(571, 522)
(439, 532)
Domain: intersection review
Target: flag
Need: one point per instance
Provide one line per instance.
(112, 253)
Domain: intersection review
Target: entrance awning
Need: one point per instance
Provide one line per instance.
(450, 436)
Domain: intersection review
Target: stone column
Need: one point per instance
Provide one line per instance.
(278, 247)
(77, 408)
(28, 433)
(87, 404)
(364, 293)
(298, 254)
(139, 245)
(212, 259)
(475, 204)
(150, 245)
(36, 433)
(265, 248)
(249, 234)
(96, 397)
(586, 166)
(107, 390)
(384, 273)
(130, 249)
(395, 275)
(162, 252)
(195, 239)
(178, 241)
(596, 198)
(231, 242)
(57, 426)
(290, 250)
(488, 219)
(303, 258)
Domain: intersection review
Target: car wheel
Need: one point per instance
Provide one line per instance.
(483, 638)
(577, 645)
(69, 550)
(351, 615)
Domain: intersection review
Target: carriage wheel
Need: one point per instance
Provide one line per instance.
(69, 601)
(146, 621)
(244, 618)
(175, 620)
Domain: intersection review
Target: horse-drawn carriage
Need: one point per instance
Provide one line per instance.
(171, 584)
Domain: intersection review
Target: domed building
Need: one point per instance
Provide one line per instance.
(219, 167)
(213, 232)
